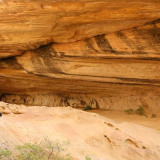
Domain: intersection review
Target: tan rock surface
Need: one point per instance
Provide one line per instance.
(101, 53)
(111, 141)
(118, 68)
(6, 108)
(114, 71)
(26, 25)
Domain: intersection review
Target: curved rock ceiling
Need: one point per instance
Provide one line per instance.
(99, 48)
(29, 24)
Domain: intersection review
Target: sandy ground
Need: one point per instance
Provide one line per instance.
(120, 117)
(89, 134)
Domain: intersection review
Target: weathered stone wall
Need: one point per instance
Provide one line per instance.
(106, 53)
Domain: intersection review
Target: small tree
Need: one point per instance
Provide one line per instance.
(129, 111)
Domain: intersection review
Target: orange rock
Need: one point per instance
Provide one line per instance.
(26, 25)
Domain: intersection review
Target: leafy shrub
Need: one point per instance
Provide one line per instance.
(5, 154)
(44, 150)
(88, 158)
(87, 108)
(140, 111)
(129, 111)
(31, 152)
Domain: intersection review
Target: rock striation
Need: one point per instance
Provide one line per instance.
(27, 25)
(103, 53)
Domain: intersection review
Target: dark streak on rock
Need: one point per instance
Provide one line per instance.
(154, 35)
(103, 43)
(153, 22)
(136, 42)
(10, 63)
(139, 80)
(46, 53)
(123, 58)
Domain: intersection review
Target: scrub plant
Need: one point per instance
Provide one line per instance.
(129, 111)
(140, 110)
(44, 150)
(87, 108)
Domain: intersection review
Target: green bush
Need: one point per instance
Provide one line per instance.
(140, 111)
(87, 108)
(31, 152)
(129, 111)
(44, 150)
(88, 158)
(5, 154)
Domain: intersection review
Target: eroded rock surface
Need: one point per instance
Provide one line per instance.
(26, 25)
(6, 108)
(111, 141)
(106, 53)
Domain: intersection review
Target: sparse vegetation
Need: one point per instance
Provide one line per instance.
(88, 107)
(140, 110)
(153, 116)
(129, 111)
(88, 158)
(44, 150)
(5, 154)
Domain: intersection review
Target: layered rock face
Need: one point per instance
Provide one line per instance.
(65, 53)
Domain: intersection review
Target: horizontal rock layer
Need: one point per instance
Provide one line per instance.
(100, 53)
(26, 25)
(113, 71)
(150, 103)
